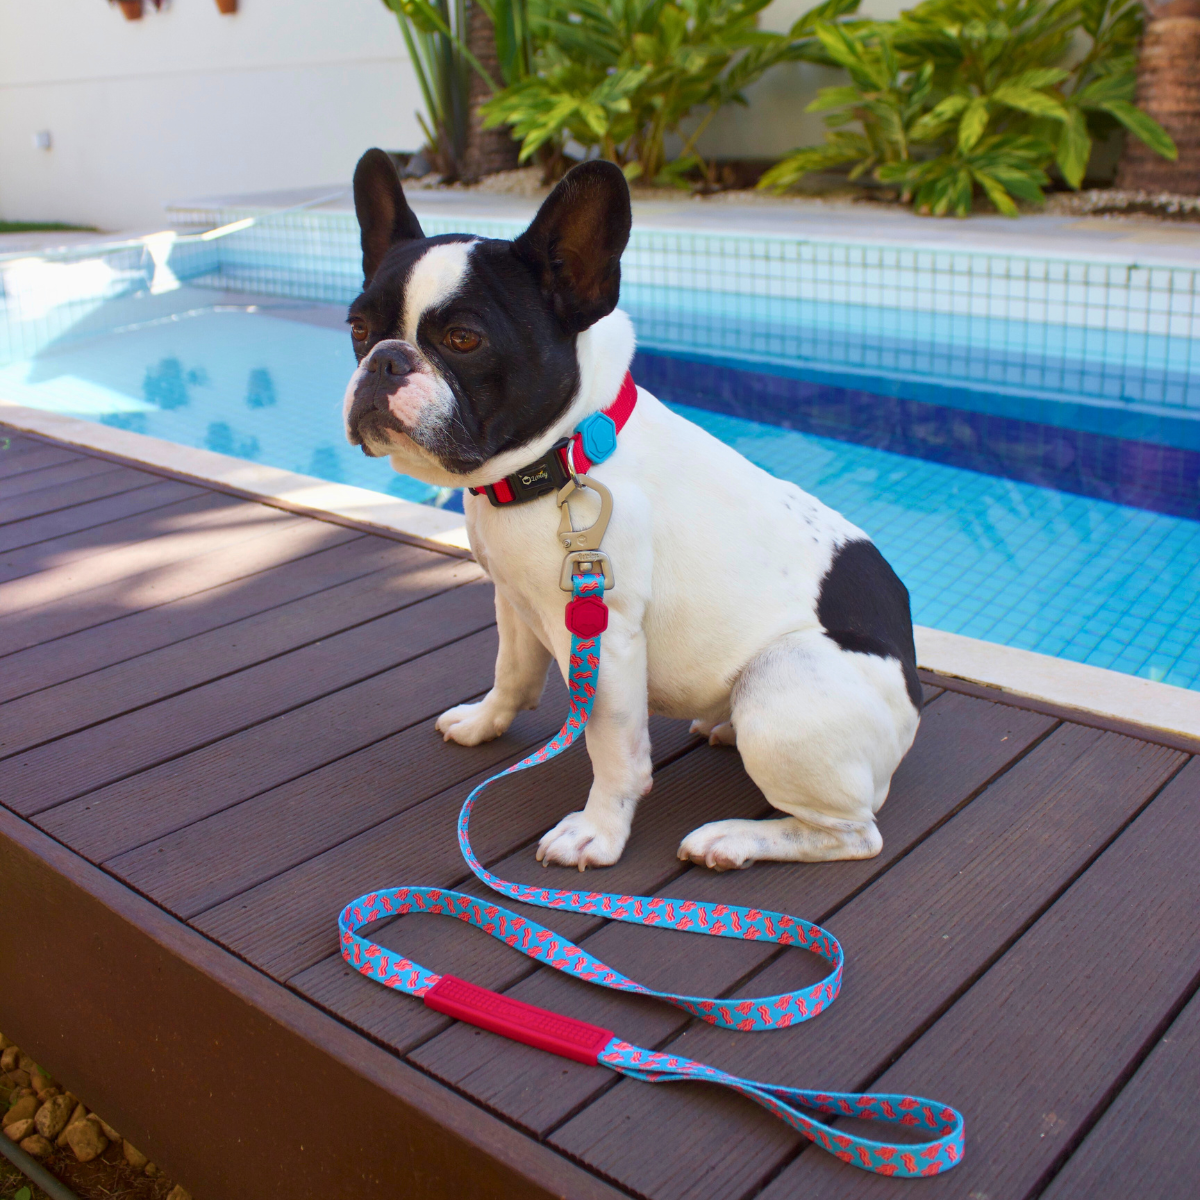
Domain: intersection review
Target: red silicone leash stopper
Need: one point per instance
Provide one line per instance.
(587, 616)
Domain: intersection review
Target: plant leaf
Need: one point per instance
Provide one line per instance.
(1142, 126)
(1074, 148)
(1039, 104)
(973, 123)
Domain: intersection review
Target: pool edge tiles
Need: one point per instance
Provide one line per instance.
(1039, 677)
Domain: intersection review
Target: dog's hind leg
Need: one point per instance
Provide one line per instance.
(521, 665)
(820, 730)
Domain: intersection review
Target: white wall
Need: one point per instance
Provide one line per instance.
(775, 121)
(187, 102)
(287, 93)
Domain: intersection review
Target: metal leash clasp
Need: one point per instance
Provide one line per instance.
(583, 545)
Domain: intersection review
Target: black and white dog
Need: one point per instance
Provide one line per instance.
(741, 601)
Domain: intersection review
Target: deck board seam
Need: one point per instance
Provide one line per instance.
(192, 749)
(28, 575)
(134, 486)
(1114, 1090)
(300, 645)
(191, 595)
(40, 541)
(163, 604)
(275, 502)
(864, 1082)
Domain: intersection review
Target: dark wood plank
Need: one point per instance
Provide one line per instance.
(49, 480)
(19, 455)
(87, 761)
(1029, 1053)
(79, 581)
(63, 570)
(92, 513)
(56, 711)
(914, 938)
(321, 1114)
(197, 868)
(94, 486)
(289, 922)
(1148, 1141)
(962, 744)
(198, 594)
(176, 794)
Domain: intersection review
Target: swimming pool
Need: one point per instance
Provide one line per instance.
(1034, 485)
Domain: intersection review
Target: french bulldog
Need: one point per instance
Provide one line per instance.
(740, 602)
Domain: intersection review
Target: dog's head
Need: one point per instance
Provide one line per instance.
(467, 347)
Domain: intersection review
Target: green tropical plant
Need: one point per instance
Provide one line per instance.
(434, 34)
(961, 96)
(621, 76)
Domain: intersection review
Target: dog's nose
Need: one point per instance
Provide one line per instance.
(389, 362)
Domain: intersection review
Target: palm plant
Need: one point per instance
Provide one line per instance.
(439, 46)
(1168, 88)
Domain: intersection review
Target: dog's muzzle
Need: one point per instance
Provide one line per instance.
(382, 374)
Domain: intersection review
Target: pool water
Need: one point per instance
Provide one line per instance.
(986, 549)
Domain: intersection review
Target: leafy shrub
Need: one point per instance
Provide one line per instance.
(623, 75)
(963, 95)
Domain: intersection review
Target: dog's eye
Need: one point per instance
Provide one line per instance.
(358, 330)
(462, 340)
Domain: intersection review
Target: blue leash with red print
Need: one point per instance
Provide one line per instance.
(802, 1109)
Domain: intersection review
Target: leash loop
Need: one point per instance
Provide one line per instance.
(805, 1110)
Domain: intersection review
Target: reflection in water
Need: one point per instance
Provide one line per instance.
(221, 438)
(164, 386)
(260, 391)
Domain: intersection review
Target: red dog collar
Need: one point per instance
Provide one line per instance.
(593, 441)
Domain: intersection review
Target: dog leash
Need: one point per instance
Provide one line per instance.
(589, 572)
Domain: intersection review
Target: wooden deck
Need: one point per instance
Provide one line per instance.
(216, 727)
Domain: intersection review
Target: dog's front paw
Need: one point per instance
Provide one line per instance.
(721, 846)
(577, 841)
(471, 724)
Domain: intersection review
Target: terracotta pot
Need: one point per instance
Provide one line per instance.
(228, 7)
(132, 9)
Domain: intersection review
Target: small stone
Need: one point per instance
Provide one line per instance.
(10, 1058)
(152, 1171)
(134, 1157)
(5, 1043)
(109, 1131)
(27, 1064)
(40, 1081)
(37, 1145)
(86, 1140)
(47, 1093)
(53, 1116)
(20, 1130)
(179, 1192)
(27, 1106)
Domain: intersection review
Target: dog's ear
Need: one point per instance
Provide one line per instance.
(575, 243)
(383, 213)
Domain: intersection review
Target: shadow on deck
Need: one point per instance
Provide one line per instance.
(216, 728)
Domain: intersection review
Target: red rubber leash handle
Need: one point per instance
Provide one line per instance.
(525, 1023)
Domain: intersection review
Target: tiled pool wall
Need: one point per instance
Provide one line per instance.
(1077, 375)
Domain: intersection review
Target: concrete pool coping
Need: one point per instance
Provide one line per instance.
(1017, 673)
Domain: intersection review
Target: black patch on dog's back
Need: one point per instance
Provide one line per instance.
(863, 606)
